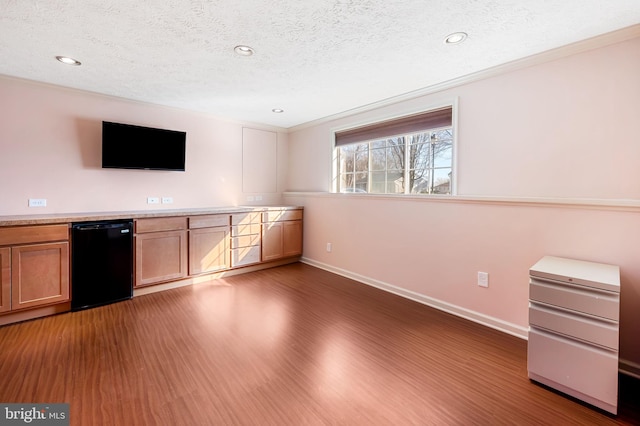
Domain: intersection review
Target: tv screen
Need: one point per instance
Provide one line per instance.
(125, 146)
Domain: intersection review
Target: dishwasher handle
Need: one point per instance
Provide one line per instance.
(126, 226)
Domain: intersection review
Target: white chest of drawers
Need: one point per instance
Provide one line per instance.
(574, 309)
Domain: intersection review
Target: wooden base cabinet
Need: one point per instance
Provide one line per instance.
(272, 240)
(34, 267)
(161, 250)
(281, 234)
(292, 238)
(208, 244)
(39, 275)
(35, 259)
(245, 239)
(173, 248)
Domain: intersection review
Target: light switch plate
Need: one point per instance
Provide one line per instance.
(483, 279)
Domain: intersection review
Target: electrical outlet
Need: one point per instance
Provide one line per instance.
(329, 247)
(153, 200)
(258, 197)
(37, 202)
(483, 279)
(167, 200)
(250, 198)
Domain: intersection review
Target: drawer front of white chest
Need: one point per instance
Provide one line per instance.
(582, 299)
(576, 366)
(591, 330)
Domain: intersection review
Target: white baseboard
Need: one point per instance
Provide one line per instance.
(498, 324)
(625, 367)
(629, 368)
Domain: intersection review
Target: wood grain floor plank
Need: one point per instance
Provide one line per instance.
(289, 345)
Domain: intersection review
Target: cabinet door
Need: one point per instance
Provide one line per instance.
(208, 250)
(39, 275)
(5, 279)
(292, 238)
(160, 256)
(272, 241)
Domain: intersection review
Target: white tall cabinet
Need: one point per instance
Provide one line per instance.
(574, 309)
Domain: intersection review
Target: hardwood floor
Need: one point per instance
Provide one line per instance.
(290, 345)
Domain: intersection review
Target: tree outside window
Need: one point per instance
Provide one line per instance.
(416, 163)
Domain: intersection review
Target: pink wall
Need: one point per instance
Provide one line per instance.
(576, 118)
(556, 133)
(50, 147)
(565, 129)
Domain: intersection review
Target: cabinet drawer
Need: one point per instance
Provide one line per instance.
(245, 218)
(208, 221)
(246, 229)
(573, 325)
(245, 241)
(280, 215)
(576, 366)
(245, 256)
(33, 234)
(160, 224)
(599, 303)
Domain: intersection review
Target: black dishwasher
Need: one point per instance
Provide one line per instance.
(101, 263)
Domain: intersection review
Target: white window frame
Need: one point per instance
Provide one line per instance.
(450, 103)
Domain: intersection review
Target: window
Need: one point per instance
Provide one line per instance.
(409, 155)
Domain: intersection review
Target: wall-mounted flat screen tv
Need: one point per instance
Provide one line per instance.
(125, 146)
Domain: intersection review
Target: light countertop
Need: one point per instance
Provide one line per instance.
(44, 219)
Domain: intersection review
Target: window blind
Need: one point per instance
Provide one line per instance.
(399, 126)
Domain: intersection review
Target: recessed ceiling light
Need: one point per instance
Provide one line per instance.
(455, 38)
(278, 110)
(244, 50)
(67, 60)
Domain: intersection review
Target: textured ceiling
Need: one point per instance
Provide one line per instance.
(314, 58)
